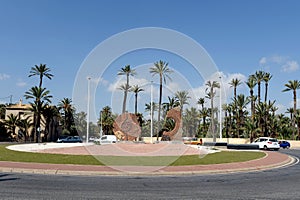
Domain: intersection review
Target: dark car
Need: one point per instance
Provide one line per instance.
(284, 144)
(70, 139)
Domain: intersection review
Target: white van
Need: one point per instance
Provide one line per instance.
(107, 139)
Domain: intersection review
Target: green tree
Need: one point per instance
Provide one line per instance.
(41, 71)
(67, 112)
(24, 125)
(136, 89)
(160, 68)
(11, 123)
(182, 97)
(259, 77)
(293, 86)
(210, 95)
(127, 71)
(235, 82)
(267, 78)
(251, 83)
(106, 120)
(41, 97)
(201, 101)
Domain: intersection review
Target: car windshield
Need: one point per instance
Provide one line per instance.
(273, 140)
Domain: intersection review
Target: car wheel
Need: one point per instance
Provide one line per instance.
(265, 147)
(287, 147)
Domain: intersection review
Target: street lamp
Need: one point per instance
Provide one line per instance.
(88, 111)
(220, 115)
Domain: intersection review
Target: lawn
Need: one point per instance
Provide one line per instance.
(216, 158)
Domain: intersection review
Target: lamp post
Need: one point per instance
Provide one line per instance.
(88, 111)
(220, 115)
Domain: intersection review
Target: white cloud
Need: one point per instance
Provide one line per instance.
(4, 76)
(21, 83)
(263, 61)
(285, 63)
(290, 66)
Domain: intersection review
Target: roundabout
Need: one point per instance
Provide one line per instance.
(269, 161)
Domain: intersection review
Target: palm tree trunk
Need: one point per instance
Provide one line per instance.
(294, 113)
(135, 105)
(266, 92)
(159, 105)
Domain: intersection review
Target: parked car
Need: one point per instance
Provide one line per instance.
(267, 143)
(70, 139)
(192, 141)
(284, 144)
(106, 139)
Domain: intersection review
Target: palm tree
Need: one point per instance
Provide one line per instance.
(234, 83)
(25, 124)
(52, 117)
(66, 105)
(204, 113)
(190, 121)
(160, 68)
(80, 122)
(241, 102)
(41, 98)
(136, 89)
(41, 71)
(201, 101)
(172, 103)
(294, 86)
(267, 78)
(2, 111)
(127, 71)
(12, 122)
(182, 97)
(251, 83)
(107, 121)
(210, 94)
(259, 77)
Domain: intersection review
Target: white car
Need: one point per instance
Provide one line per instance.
(267, 143)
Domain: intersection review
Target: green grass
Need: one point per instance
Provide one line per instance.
(216, 158)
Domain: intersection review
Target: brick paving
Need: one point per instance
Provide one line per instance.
(271, 160)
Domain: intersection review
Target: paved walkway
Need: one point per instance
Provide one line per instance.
(271, 160)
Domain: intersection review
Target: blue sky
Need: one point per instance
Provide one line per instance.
(240, 36)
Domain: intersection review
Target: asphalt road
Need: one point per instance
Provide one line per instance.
(283, 183)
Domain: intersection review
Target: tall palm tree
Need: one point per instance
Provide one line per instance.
(182, 97)
(241, 102)
(127, 71)
(160, 68)
(259, 77)
(41, 97)
(210, 94)
(251, 83)
(41, 71)
(234, 83)
(136, 89)
(294, 86)
(267, 78)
